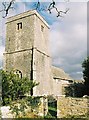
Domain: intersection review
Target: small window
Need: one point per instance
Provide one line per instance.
(42, 28)
(19, 26)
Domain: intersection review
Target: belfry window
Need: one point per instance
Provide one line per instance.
(42, 28)
(19, 26)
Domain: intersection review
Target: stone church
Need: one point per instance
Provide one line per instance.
(27, 50)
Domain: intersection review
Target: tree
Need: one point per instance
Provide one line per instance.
(14, 87)
(75, 90)
(49, 8)
(85, 66)
(14, 92)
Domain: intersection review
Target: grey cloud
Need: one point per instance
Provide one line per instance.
(2, 40)
(68, 41)
(67, 38)
(76, 75)
(1, 63)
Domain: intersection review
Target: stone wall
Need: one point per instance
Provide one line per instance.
(42, 70)
(19, 43)
(41, 110)
(27, 49)
(19, 60)
(43, 107)
(57, 87)
(67, 106)
(17, 40)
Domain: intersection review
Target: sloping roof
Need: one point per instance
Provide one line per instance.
(60, 74)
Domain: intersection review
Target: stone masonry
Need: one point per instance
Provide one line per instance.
(27, 49)
(68, 107)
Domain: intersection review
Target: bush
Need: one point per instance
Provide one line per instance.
(14, 87)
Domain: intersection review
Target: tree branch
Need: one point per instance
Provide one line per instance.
(51, 6)
(7, 8)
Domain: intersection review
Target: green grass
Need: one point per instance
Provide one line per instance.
(52, 112)
(53, 109)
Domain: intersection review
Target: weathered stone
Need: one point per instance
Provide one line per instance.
(27, 49)
(67, 106)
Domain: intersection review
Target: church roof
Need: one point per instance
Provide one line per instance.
(60, 74)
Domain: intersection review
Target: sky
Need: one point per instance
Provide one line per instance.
(68, 34)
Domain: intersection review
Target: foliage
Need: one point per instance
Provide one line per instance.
(21, 107)
(14, 87)
(49, 116)
(14, 93)
(33, 101)
(18, 107)
(85, 66)
(51, 98)
(75, 90)
(52, 107)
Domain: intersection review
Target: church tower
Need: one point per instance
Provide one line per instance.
(27, 49)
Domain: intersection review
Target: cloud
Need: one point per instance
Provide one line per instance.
(19, 7)
(68, 40)
(2, 49)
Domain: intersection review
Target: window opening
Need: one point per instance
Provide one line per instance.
(19, 26)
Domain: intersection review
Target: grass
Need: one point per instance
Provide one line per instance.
(53, 109)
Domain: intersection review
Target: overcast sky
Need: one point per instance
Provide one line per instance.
(68, 35)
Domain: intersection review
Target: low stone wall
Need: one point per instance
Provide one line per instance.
(5, 112)
(41, 110)
(67, 106)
